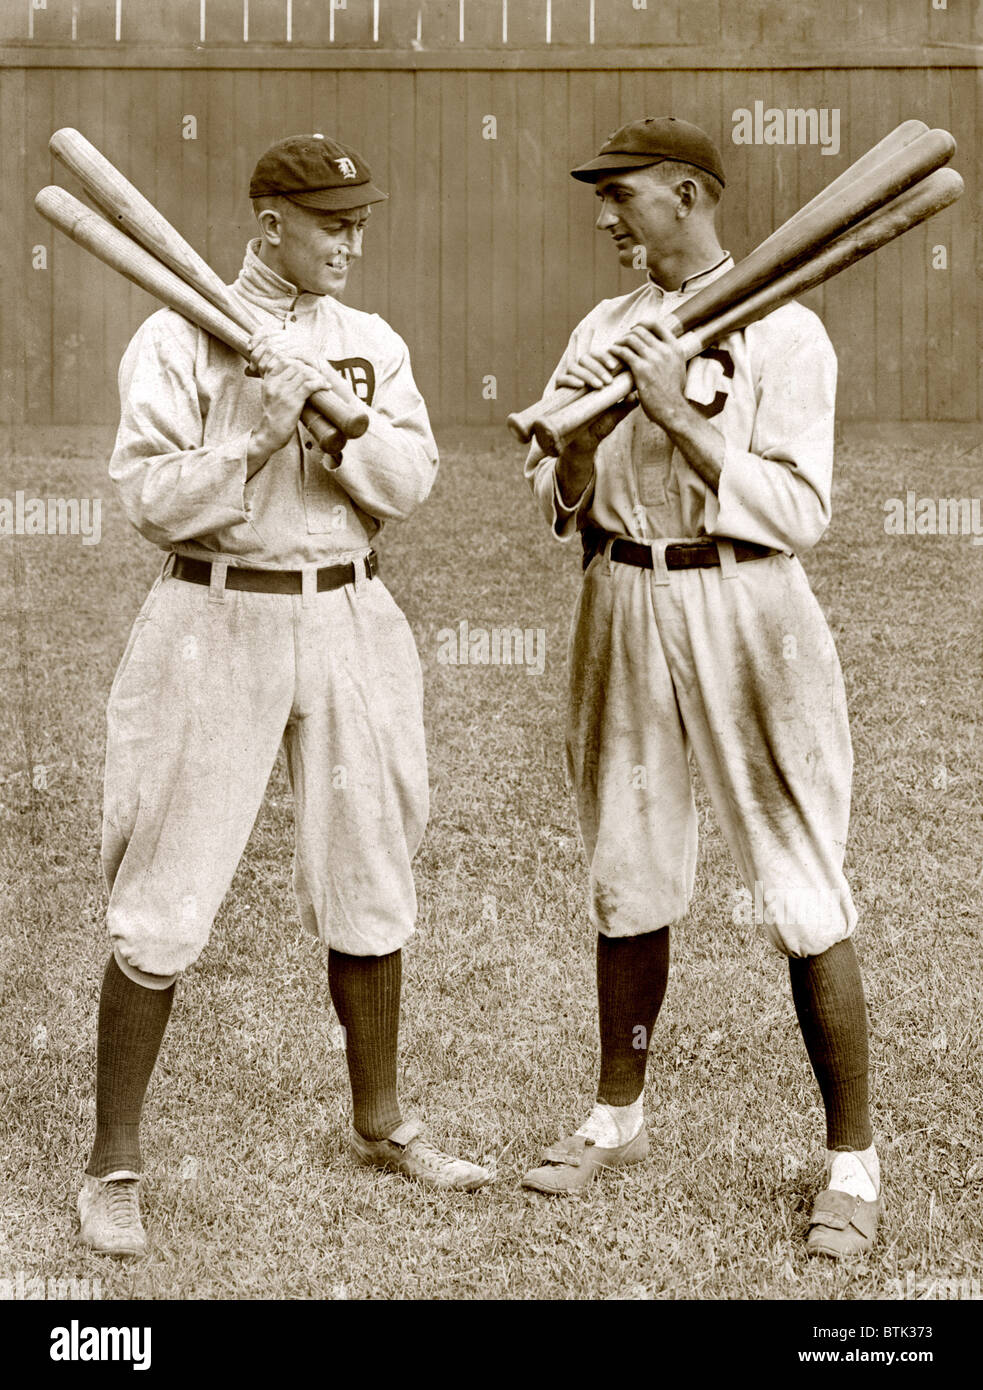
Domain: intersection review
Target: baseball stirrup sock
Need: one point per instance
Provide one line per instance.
(829, 1000)
(132, 1020)
(365, 992)
(632, 972)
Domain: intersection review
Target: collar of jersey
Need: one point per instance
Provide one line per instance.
(261, 285)
(692, 283)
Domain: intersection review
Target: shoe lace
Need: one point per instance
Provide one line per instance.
(122, 1205)
(431, 1157)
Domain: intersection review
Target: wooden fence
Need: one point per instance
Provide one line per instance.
(485, 256)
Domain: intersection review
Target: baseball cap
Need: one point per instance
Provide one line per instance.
(650, 141)
(315, 172)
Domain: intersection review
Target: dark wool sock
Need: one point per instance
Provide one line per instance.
(132, 1020)
(829, 1000)
(632, 972)
(365, 992)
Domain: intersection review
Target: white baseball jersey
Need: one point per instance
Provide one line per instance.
(733, 664)
(769, 390)
(187, 412)
(214, 679)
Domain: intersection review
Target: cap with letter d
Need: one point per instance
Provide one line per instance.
(315, 172)
(651, 141)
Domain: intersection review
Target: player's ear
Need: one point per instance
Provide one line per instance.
(687, 193)
(270, 219)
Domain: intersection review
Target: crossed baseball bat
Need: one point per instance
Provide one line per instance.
(142, 245)
(898, 183)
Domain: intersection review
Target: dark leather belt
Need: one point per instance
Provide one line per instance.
(276, 581)
(683, 555)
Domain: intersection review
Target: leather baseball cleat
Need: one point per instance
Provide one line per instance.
(842, 1224)
(408, 1151)
(572, 1163)
(109, 1210)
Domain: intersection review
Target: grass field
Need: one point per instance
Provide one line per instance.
(250, 1192)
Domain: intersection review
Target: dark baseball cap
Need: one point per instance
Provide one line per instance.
(650, 141)
(315, 172)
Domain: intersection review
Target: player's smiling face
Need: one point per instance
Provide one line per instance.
(637, 210)
(312, 248)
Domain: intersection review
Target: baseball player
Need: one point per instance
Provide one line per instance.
(269, 624)
(696, 633)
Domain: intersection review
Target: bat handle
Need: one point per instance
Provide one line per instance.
(348, 414)
(329, 439)
(555, 429)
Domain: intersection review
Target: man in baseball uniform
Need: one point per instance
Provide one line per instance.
(696, 633)
(268, 624)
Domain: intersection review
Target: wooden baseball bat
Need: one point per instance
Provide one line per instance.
(900, 138)
(116, 249)
(922, 200)
(129, 209)
(802, 237)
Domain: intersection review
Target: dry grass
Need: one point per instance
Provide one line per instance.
(250, 1192)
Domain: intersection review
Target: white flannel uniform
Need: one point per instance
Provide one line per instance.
(213, 679)
(733, 664)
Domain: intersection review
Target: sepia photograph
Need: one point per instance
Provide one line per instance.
(491, 573)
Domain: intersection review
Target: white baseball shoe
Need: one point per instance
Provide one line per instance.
(408, 1151)
(109, 1210)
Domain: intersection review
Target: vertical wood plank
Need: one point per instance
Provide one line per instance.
(631, 107)
(974, 169)
(384, 93)
(22, 226)
(192, 202)
(480, 158)
(850, 300)
(581, 203)
(505, 242)
(38, 292)
(914, 263)
(955, 228)
(940, 362)
(889, 287)
(351, 130)
(113, 290)
(94, 396)
(220, 136)
(396, 244)
(558, 233)
(607, 271)
(427, 282)
(534, 151)
(455, 249)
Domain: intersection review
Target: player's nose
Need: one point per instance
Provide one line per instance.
(606, 218)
